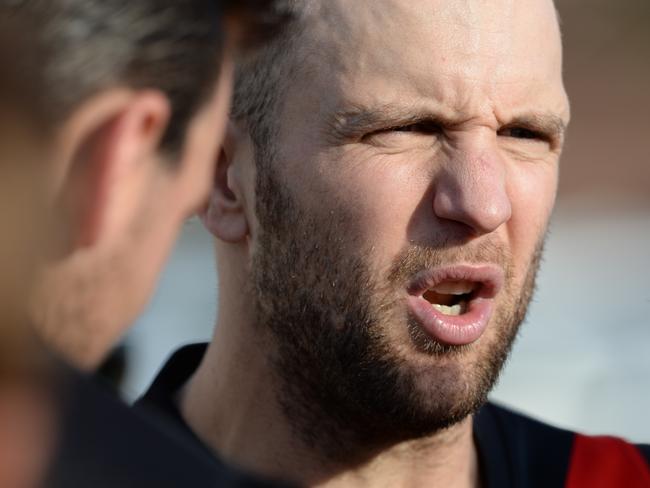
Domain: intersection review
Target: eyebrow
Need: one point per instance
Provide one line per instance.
(546, 123)
(356, 121)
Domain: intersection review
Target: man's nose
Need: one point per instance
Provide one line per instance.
(471, 189)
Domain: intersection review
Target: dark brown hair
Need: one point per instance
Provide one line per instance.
(79, 47)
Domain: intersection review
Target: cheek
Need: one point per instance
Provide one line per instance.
(532, 190)
(378, 198)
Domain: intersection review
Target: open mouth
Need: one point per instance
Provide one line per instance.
(454, 304)
(452, 297)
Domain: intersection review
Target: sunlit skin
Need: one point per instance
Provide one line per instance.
(461, 140)
(434, 124)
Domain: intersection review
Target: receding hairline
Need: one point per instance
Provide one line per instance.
(263, 80)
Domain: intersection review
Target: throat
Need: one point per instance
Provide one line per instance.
(448, 458)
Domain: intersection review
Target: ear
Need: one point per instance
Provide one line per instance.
(106, 147)
(224, 215)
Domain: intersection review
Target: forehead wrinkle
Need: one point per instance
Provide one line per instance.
(487, 18)
(447, 49)
(348, 49)
(354, 121)
(339, 24)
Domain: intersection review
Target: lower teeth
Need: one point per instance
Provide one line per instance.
(458, 309)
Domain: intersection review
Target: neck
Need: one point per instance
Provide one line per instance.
(232, 404)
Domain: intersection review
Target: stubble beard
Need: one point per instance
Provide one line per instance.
(342, 386)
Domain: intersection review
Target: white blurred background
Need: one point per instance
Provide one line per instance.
(582, 360)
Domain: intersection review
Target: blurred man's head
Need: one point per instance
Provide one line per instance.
(387, 187)
(26, 421)
(134, 97)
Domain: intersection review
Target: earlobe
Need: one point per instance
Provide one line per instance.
(224, 215)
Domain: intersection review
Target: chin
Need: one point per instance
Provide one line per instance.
(443, 384)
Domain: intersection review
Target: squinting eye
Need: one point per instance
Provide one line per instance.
(521, 133)
(422, 127)
(418, 134)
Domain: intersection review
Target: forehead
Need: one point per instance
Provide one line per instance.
(466, 57)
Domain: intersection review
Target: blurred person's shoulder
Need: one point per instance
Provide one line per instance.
(516, 450)
(104, 443)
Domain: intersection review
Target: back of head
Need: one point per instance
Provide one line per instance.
(84, 47)
(167, 63)
(54, 56)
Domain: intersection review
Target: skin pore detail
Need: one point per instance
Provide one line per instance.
(339, 359)
(416, 155)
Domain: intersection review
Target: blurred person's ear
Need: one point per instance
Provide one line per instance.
(224, 215)
(122, 192)
(105, 155)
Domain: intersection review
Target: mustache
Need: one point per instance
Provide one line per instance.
(416, 258)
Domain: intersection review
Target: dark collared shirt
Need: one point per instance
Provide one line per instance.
(514, 450)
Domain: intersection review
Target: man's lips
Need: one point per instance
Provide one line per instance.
(473, 315)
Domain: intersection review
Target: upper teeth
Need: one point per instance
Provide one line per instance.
(454, 288)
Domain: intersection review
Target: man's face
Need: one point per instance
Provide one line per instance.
(403, 212)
